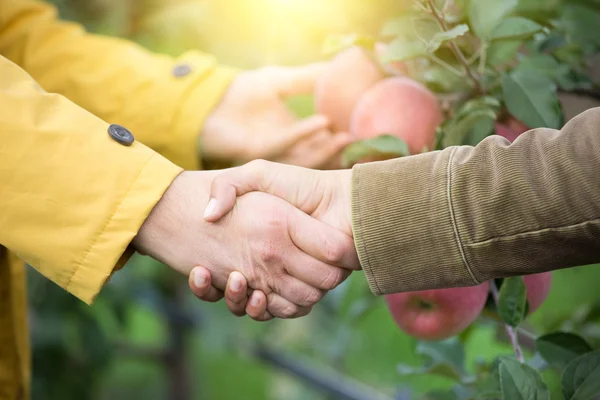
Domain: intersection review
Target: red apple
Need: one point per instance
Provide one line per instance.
(511, 129)
(350, 74)
(538, 287)
(437, 314)
(505, 131)
(399, 106)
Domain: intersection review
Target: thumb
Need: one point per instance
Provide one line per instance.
(287, 182)
(291, 81)
(227, 186)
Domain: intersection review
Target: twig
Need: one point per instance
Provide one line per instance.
(444, 64)
(341, 386)
(456, 50)
(525, 333)
(591, 93)
(512, 335)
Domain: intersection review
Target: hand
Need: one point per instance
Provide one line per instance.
(281, 251)
(324, 195)
(239, 299)
(252, 121)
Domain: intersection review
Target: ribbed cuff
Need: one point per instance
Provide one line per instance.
(403, 224)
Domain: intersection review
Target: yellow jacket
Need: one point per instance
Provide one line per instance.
(71, 197)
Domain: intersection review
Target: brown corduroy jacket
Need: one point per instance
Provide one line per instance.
(465, 215)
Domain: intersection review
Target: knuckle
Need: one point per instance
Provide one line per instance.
(333, 279)
(268, 253)
(312, 298)
(258, 164)
(289, 311)
(334, 251)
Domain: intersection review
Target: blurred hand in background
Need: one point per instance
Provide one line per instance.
(252, 121)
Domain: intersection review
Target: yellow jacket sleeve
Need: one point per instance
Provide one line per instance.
(71, 197)
(164, 100)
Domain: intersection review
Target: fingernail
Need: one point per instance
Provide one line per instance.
(199, 279)
(210, 208)
(236, 283)
(254, 301)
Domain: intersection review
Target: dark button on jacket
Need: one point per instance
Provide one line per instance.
(121, 134)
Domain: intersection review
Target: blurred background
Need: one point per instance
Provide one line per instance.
(148, 337)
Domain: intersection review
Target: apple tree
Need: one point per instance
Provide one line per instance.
(445, 73)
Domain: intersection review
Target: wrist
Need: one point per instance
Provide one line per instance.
(158, 233)
(339, 184)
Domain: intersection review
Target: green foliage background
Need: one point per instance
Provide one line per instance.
(147, 337)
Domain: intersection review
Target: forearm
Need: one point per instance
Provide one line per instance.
(158, 235)
(72, 197)
(164, 100)
(466, 215)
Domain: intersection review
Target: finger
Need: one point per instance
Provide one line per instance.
(295, 133)
(321, 241)
(314, 272)
(321, 151)
(201, 285)
(296, 291)
(279, 307)
(292, 81)
(257, 307)
(236, 294)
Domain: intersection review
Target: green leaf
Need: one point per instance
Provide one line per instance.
(546, 65)
(441, 369)
(521, 382)
(402, 50)
(444, 358)
(387, 146)
(581, 377)
(440, 79)
(441, 37)
(449, 351)
(502, 52)
(531, 98)
(487, 385)
(515, 28)
(474, 112)
(413, 38)
(513, 300)
(336, 43)
(560, 348)
(581, 24)
(482, 129)
(485, 15)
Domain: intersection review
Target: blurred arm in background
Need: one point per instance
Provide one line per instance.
(180, 107)
(78, 196)
(450, 218)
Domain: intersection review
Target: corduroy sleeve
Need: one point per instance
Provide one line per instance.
(465, 215)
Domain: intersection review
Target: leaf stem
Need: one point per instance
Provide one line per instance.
(526, 333)
(444, 64)
(456, 50)
(512, 334)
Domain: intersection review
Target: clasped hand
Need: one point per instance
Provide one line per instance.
(290, 258)
(322, 195)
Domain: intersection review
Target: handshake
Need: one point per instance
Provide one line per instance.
(270, 238)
